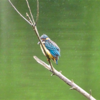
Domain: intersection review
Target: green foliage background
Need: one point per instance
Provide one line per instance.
(74, 25)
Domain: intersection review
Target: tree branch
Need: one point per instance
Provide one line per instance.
(19, 12)
(30, 11)
(35, 28)
(50, 67)
(37, 17)
(65, 79)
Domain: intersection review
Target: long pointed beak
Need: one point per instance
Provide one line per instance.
(38, 42)
(42, 42)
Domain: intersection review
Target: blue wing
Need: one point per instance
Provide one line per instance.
(53, 48)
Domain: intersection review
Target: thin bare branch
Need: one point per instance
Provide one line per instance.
(29, 18)
(19, 12)
(35, 28)
(36, 32)
(42, 63)
(30, 12)
(65, 79)
(31, 23)
(37, 17)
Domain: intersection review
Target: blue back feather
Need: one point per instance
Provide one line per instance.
(53, 48)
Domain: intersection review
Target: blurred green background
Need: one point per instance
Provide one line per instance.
(74, 25)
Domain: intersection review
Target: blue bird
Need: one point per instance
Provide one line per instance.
(51, 48)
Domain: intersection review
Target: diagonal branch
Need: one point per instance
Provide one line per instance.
(30, 22)
(37, 17)
(35, 28)
(19, 12)
(66, 80)
(30, 12)
(29, 18)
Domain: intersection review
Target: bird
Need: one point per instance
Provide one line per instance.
(52, 50)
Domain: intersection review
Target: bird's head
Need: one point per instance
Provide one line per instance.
(44, 38)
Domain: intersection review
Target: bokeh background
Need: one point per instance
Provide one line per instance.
(74, 25)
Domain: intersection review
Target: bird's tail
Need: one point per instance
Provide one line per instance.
(55, 60)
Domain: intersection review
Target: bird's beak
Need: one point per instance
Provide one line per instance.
(38, 42)
(41, 41)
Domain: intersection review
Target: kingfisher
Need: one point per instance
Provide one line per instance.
(51, 48)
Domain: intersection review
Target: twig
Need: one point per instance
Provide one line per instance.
(19, 12)
(42, 63)
(30, 12)
(66, 80)
(37, 17)
(32, 24)
(35, 29)
(29, 18)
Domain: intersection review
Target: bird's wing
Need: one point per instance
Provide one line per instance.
(53, 48)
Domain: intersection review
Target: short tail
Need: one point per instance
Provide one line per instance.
(57, 61)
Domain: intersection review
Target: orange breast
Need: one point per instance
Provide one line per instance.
(48, 53)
